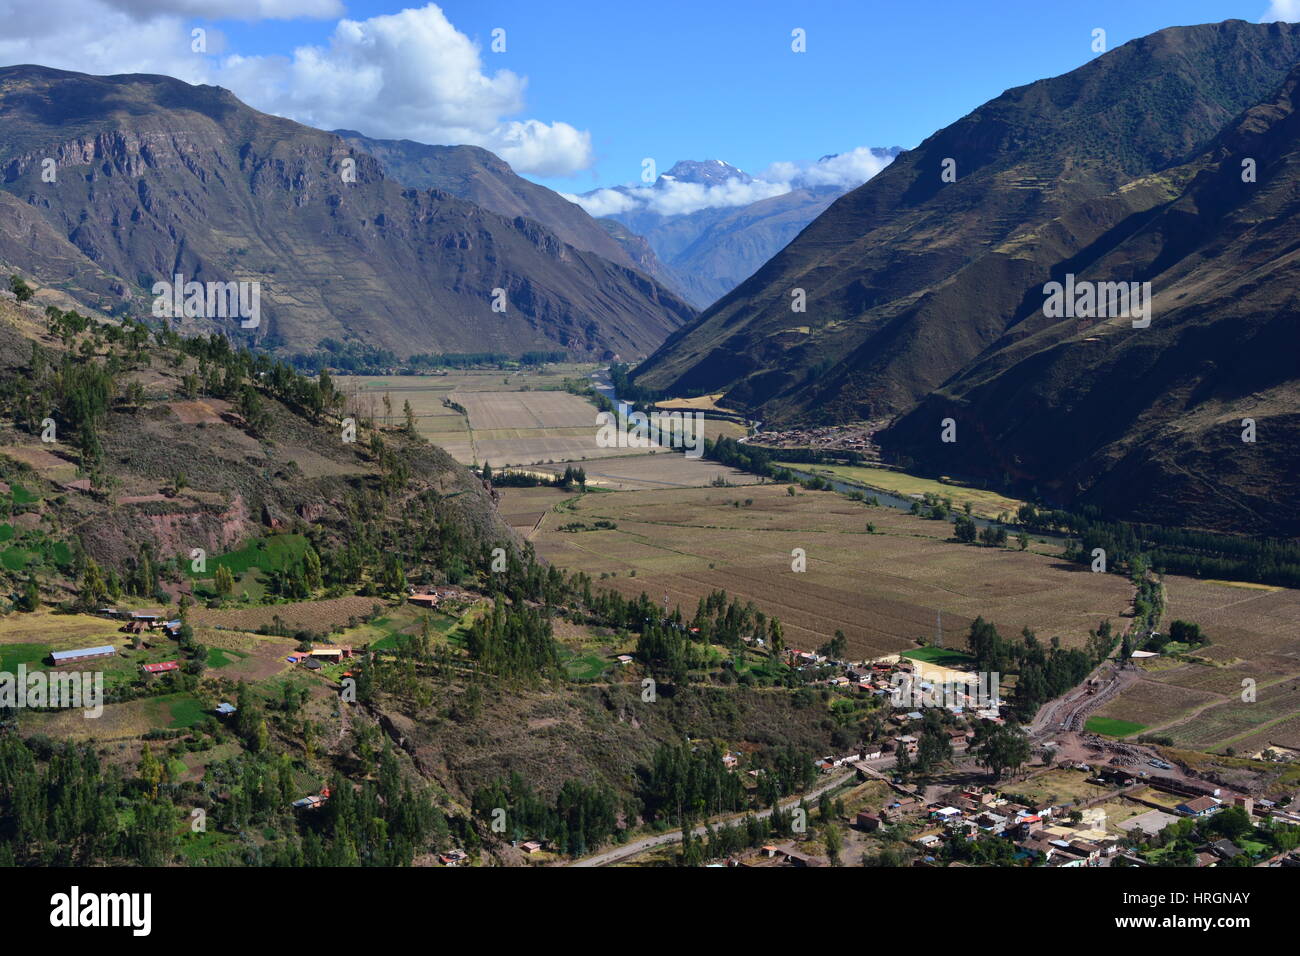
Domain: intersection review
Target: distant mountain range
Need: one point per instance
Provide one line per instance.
(707, 252)
(155, 177)
(701, 254)
(925, 297)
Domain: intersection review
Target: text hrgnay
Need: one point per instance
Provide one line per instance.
(76, 909)
(971, 692)
(58, 689)
(208, 300)
(1238, 897)
(639, 430)
(1099, 300)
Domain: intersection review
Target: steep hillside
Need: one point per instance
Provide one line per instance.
(1147, 423)
(155, 177)
(159, 446)
(909, 278)
(483, 178)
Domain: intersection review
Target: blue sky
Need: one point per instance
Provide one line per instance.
(587, 88)
(702, 80)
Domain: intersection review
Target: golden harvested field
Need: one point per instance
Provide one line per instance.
(706, 402)
(60, 632)
(883, 590)
(318, 616)
(511, 418)
(527, 428)
(1255, 636)
(662, 469)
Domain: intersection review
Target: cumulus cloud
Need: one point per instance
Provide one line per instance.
(1287, 10)
(673, 197)
(407, 75)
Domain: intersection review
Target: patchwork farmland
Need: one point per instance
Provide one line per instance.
(521, 418)
(1196, 699)
(509, 418)
(882, 589)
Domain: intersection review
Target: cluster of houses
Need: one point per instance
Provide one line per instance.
(857, 438)
(139, 622)
(1041, 831)
(1061, 834)
(883, 677)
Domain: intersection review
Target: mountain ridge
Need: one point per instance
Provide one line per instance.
(886, 267)
(157, 177)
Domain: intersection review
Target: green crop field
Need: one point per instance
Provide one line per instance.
(1110, 727)
(223, 657)
(940, 656)
(986, 504)
(11, 655)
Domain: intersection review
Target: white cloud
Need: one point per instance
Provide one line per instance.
(230, 9)
(95, 37)
(604, 202)
(1288, 10)
(407, 75)
(846, 170)
(671, 197)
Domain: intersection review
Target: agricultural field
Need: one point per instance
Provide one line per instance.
(510, 418)
(59, 632)
(319, 617)
(129, 719)
(523, 508)
(237, 655)
(1196, 698)
(1113, 727)
(881, 589)
(45, 463)
(1155, 706)
(662, 469)
(518, 417)
(985, 504)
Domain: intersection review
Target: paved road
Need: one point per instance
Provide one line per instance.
(615, 854)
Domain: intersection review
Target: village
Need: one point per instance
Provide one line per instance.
(1078, 799)
(1118, 805)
